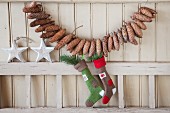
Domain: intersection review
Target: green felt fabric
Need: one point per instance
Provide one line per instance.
(94, 91)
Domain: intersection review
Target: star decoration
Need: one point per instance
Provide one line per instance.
(15, 52)
(43, 51)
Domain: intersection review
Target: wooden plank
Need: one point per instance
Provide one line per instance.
(18, 30)
(113, 23)
(91, 1)
(6, 85)
(67, 20)
(162, 50)
(114, 68)
(99, 27)
(50, 81)
(82, 10)
(6, 94)
(37, 82)
(28, 90)
(53, 9)
(59, 96)
(131, 53)
(121, 91)
(147, 46)
(152, 91)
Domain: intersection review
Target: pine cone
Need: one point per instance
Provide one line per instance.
(140, 24)
(73, 43)
(151, 10)
(110, 43)
(146, 12)
(116, 41)
(86, 47)
(124, 33)
(48, 34)
(135, 42)
(42, 27)
(104, 43)
(120, 37)
(31, 5)
(64, 41)
(131, 34)
(92, 48)
(141, 17)
(40, 15)
(58, 35)
(36, 9)
(40, 22)
(137, 30)
(81, 52)
(52, 28)
(98, 46)
(79, 47)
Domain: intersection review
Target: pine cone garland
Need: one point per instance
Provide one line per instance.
(79, 46)
(40, 15)
(92, 48)
(47, 34)
(86, 47)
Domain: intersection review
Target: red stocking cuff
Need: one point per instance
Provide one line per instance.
(99, 62)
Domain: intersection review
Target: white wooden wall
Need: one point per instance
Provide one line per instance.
(97, 19)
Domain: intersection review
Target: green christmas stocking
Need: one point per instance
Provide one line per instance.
(96, 92)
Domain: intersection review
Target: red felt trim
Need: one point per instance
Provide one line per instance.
(99, 62)
(110, 82)
(105, 99)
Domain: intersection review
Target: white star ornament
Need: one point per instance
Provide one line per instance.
(15, 52)
(43, 51)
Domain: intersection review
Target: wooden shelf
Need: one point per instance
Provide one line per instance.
(114, 68)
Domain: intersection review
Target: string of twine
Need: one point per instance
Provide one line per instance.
(24, 38)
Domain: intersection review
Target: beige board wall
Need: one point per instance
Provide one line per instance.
(97, 21)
